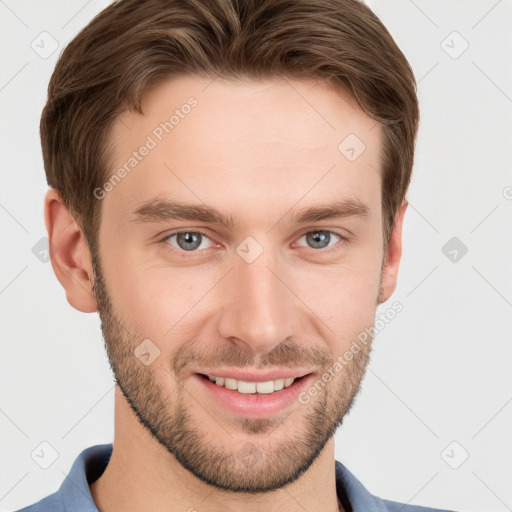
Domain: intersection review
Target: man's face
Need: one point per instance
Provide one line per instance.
(267, 292)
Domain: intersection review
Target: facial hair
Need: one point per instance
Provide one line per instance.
(271, 461)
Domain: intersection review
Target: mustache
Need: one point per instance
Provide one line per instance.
(288, 353)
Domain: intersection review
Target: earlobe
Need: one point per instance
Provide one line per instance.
(392, 257)
(70, 256)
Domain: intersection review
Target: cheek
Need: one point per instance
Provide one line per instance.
(343, 296)
(155, 301)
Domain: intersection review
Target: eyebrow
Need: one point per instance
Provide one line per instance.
(164, 210)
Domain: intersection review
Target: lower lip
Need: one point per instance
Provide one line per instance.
(255, 405)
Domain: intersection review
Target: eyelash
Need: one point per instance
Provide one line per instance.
(343, 240)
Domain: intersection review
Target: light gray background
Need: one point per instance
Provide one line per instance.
(440, 371)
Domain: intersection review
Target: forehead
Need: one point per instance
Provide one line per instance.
(310, 111)
(264, 139)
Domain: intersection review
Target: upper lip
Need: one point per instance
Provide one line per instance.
(249, 375)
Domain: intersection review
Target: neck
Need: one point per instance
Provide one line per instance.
(143, 475)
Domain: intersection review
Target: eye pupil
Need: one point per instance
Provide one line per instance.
(188, 241)
(319, 239)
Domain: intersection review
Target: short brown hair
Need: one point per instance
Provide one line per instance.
(133, 43)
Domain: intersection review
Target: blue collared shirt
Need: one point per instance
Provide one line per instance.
(74, 494)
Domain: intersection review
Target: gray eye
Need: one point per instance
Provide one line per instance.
(320, 239)
(188, 240)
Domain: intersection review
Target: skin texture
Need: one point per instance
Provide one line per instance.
(257, 151)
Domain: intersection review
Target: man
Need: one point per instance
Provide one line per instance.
(228, 186)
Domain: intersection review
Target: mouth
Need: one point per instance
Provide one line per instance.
(252, 399)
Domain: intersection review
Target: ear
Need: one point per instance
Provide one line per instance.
(70, 256)
(392, 257)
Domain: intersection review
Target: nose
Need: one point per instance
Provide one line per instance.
(258, 311)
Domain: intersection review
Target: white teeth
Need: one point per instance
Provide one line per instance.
(278, 384)
(252, 387)
(230, 383)
(265, 387)
(246, 387)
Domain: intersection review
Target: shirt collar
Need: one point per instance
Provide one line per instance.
(350, 489)
(88, 467)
